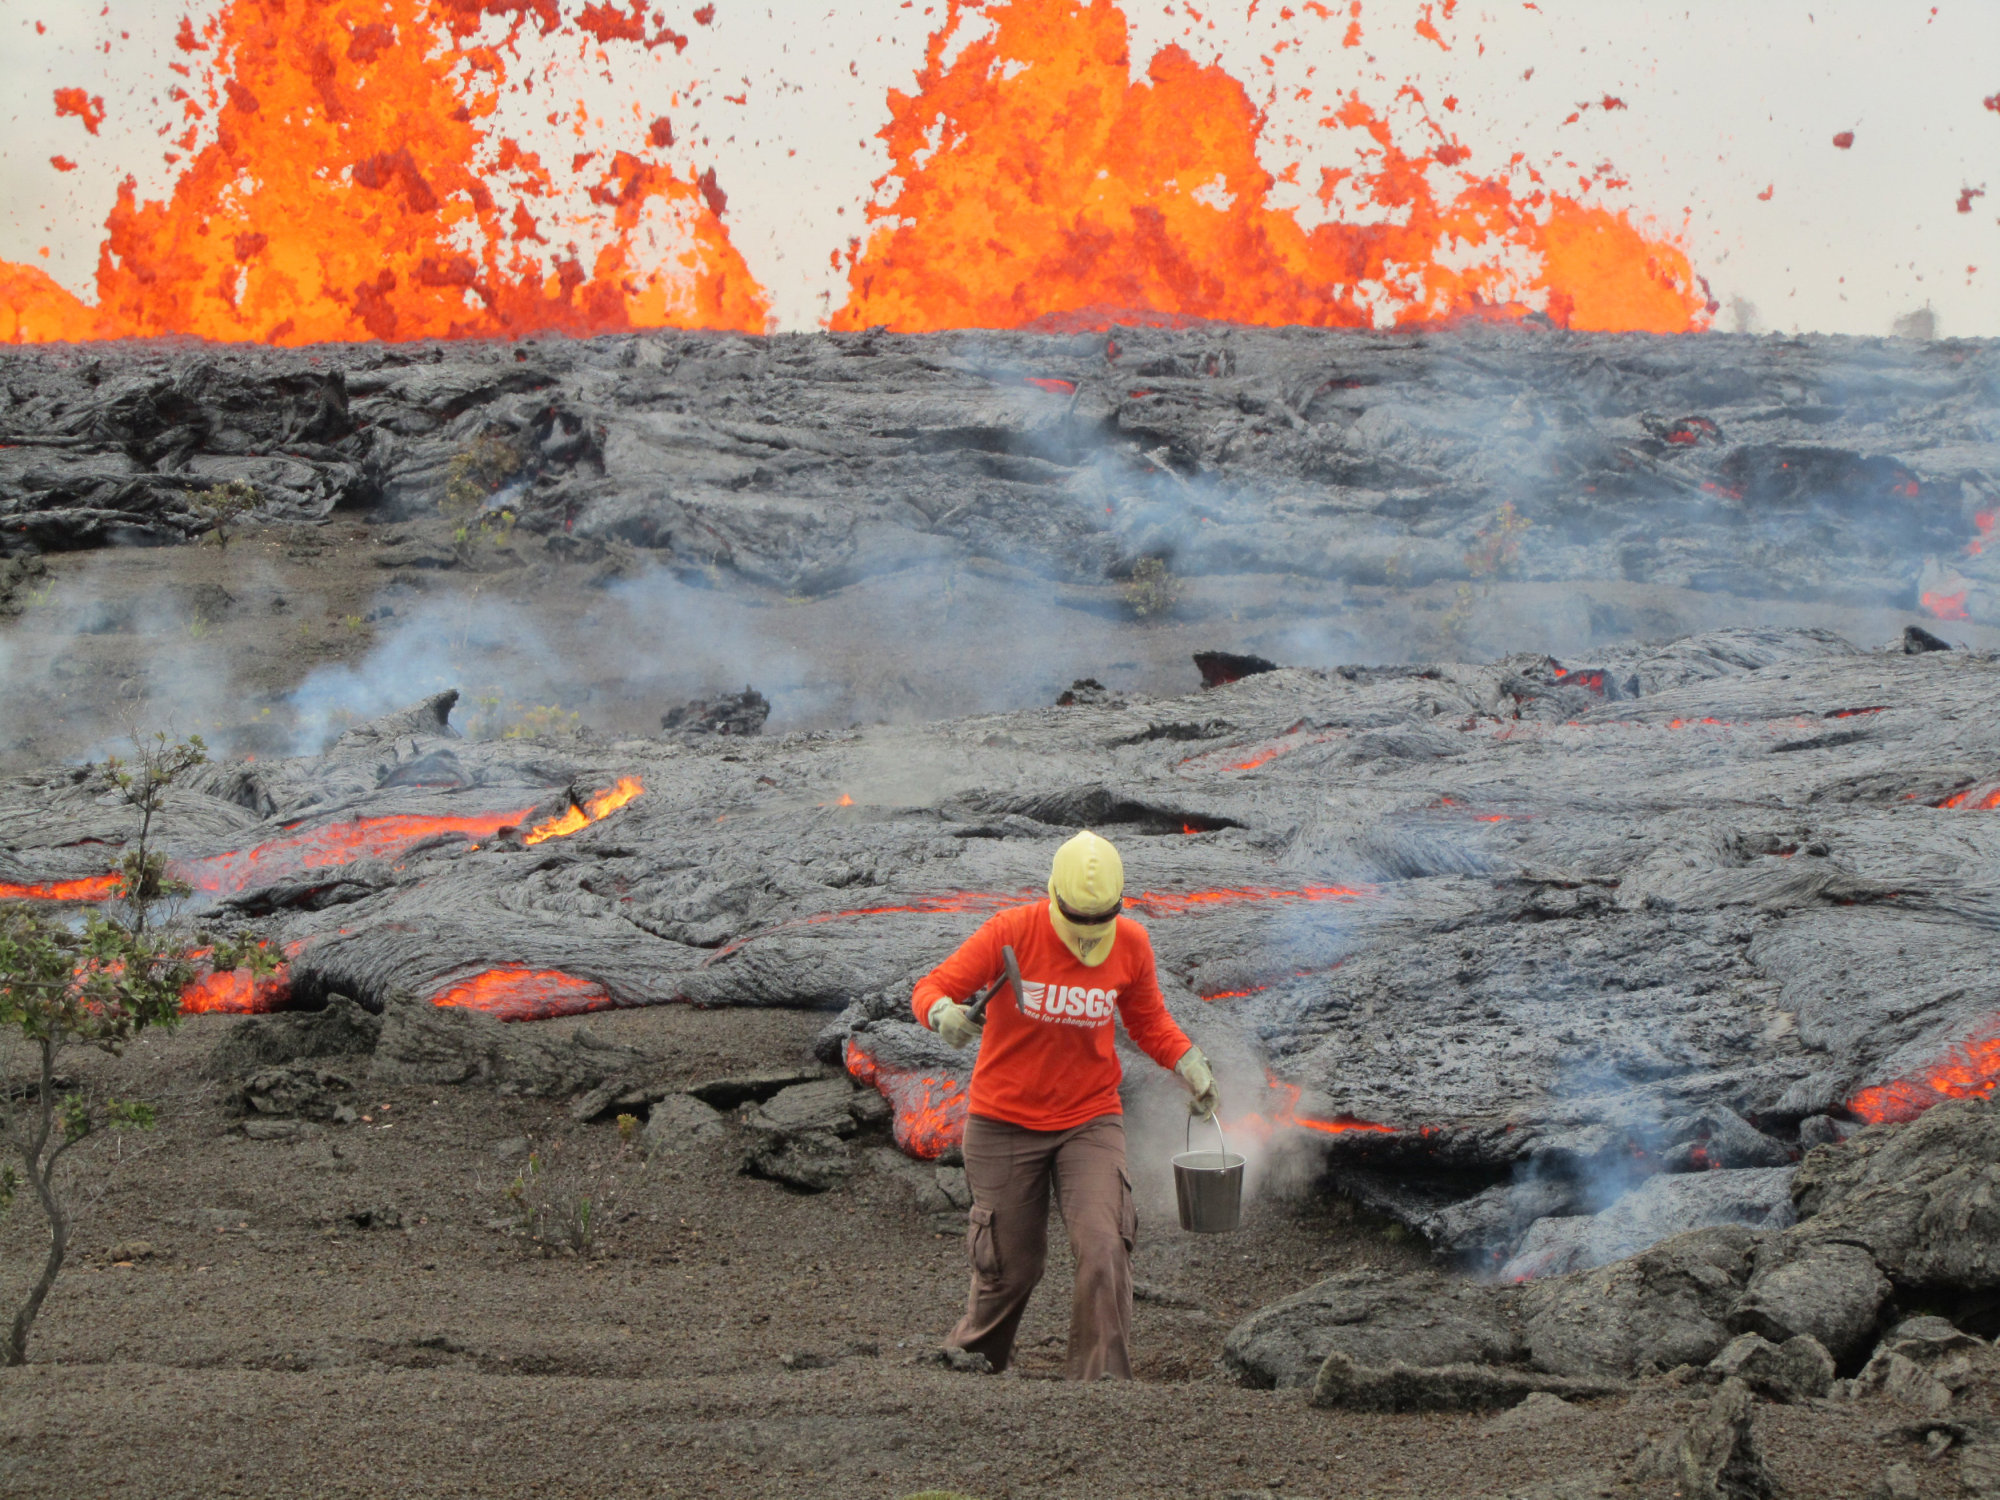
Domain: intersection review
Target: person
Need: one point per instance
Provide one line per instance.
(1044, 1108)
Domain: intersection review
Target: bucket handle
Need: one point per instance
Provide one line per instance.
(1214, 1119)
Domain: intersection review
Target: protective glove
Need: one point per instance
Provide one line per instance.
(953, 1022)
(1200, 1079)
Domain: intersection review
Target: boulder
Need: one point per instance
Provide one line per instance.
(1661, 1206)
(741, 713)
(1492, 1223)
(1718, 1139)
(1903, 1380)
(298, 1090)
(342, 1029)
(422, 1043)
(1399, 1387)
(1717, 1457)
(1922, 1198)
(750, 1088)
(1539, 1409)
(1375, 1318)
(1924, 1363)
(1796, 1370)
(680, 1123)
(1664, 1307)
(1825, 1290)
(823, 1104)
(812, 1161)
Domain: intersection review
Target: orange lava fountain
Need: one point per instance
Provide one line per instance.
(1037, 185)
(519, 994)
(350, 187)
(929, 1112)
(1969, 1071)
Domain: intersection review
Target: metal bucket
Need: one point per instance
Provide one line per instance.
(1209, 1186)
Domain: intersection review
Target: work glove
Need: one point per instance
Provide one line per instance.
(953, 1022)
(1200, 1079)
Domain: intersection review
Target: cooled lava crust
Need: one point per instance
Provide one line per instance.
(1458, 921)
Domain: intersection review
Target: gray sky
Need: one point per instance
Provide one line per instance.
(1725, 101)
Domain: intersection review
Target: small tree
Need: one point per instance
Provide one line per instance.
(222, 507)
(473, 476)
(1152, 592)
(61, 987)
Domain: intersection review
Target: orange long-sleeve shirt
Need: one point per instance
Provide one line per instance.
(1046, 1060)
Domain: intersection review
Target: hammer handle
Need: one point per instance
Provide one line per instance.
(1011, 974)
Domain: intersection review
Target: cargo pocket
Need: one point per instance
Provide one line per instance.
(1128, 1211)
(980, 1245)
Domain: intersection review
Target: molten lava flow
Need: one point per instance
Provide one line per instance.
(1583, 677)
(1287, 1117)
(351, 186)
(929, 1112)
(1255, 989)
(1174, 903)
(329, 847)
(337, 844)
(1969, 1071)
(1945, 606)
(237, 992)
(986, 903)
(1973, 798)
(980, 903)
(1037, 185)
(518, 994)
(1983, 521)
(1452, 804)
(598, 807)
(95, 888)
(1294, 738)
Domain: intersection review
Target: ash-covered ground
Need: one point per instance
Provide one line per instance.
(1605, 845)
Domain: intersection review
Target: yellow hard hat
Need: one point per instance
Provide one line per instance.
(1086, 893)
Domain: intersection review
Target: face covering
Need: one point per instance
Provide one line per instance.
(1086, 890)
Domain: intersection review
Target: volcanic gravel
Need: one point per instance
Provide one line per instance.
(227, 1329)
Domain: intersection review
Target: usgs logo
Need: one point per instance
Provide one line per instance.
(1067, 1002)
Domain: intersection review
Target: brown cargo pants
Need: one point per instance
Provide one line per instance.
(1009, 1169)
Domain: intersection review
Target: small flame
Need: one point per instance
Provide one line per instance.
(595, 809)
(929, 1112)
(520, 994)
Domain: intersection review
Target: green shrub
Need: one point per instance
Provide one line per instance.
(1152, 591)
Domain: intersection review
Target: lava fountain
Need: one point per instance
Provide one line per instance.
(1038, 186)
(342, 178)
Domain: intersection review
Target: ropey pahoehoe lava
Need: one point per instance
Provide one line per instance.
(1487, 922)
